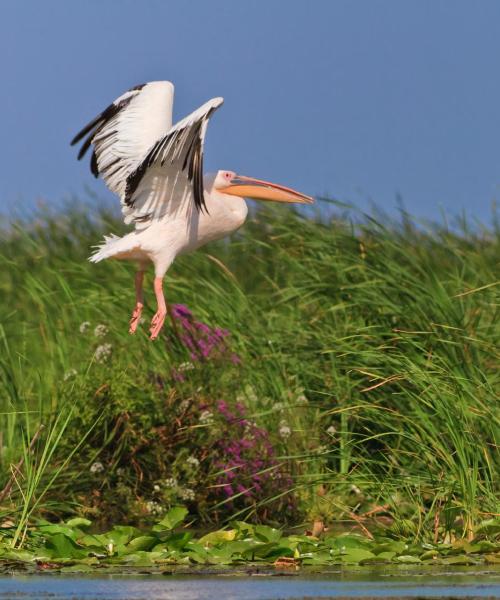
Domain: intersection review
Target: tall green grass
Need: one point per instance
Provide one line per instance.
(376, 342)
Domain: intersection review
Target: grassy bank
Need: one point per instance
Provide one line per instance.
(315, 372)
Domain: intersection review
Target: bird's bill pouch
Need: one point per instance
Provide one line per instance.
(257, 189)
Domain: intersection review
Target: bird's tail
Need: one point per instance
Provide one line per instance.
(115, 246)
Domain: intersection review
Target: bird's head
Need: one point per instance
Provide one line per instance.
(228, 182)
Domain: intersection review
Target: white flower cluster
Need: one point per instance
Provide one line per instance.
(285, 430)
(206, 418)
(251, 394)
(171, 482)
(184, 405)
(154, 508)
(186, 494)
(97, 467)
(193, 461)
(70, 374)
(186, 366)
(103, 352)
(300, 397)
(84, 326)
(100, 330)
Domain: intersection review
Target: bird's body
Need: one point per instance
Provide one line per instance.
(156, 169)
(179, 230)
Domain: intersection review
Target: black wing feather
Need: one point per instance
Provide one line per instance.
(92, 129)
(193, 161)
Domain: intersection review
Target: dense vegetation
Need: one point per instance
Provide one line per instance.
(313, 371)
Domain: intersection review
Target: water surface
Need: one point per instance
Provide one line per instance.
(463, 583)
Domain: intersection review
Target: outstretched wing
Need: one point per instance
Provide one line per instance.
(134, 138)
(124, 132)
(182, 146)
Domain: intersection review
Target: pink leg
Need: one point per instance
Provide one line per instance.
(159, 318)
(139, 302)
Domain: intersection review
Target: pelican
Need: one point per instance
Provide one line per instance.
(156, 169)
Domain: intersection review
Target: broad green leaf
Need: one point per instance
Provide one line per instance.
(217, 537)
(458, 560)
(485, 546)
(320, 558)
(174, 517)
(139, 559)
(238, 547)
(122, 534)
(243, 529)
(269, 549)
(143, 542)
(429, 554)
(63, 546)
(54, 528)
(408, 559)
(177, 541)
(489, 526)
(347, 541)
(355, 555)
(388, 555)
(79, 522)
(267, 534)
(22, 555)
(398, 547)
(492, 559)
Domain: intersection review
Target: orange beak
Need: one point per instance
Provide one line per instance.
(248, 187)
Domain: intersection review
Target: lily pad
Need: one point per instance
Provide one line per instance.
(356, 555)
(408, 559)
(63, 546)
(216, 537)
(173, 518)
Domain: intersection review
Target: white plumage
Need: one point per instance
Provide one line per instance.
(156, 169)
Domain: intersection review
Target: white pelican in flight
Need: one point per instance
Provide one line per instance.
(156, 169)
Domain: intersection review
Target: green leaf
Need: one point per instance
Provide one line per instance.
(320, 558)
(485, 546)
(429, 554)
(458, 560)
(55, 528)
(63, 546)
(178, 541)
(143, 542)
(238, 547)
(78, 522)
(489, 526)
(217, 537)
(347, 542)
(408, 559)
(356, 555)
(22, 555)
(267, 534)
(243, 529)
(121, 534)
(492, 559)
(259, 551)
(174, 517)
(380, 557)
(397, 547)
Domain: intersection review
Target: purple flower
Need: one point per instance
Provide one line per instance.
(180, 310)
(248, 463)
(203, 342)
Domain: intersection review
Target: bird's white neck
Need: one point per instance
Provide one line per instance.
(224, 215)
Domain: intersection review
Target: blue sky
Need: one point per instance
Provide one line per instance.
(361, 99)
